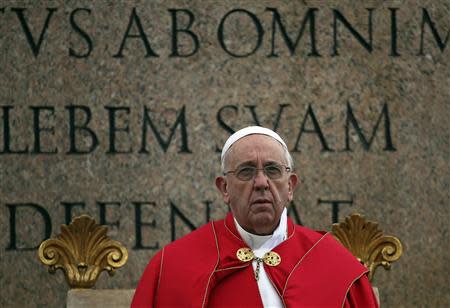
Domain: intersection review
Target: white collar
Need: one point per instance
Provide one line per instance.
(260, 244)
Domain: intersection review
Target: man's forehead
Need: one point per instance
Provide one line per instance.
(250, 147)
(257, 140)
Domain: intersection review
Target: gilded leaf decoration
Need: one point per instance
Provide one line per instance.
(82, 251)
(367, 242)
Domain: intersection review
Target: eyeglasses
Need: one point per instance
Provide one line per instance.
(247, 173)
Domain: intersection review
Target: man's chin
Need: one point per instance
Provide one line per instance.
(263, 223)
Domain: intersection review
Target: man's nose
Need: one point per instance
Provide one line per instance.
(261, 179)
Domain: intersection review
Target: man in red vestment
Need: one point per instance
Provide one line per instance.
(256, 256)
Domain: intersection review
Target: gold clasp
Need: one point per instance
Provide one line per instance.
(270, 258)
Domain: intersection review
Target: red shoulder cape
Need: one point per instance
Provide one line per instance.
(201, 269)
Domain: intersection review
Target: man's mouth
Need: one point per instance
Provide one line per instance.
(261, 206)
(261, 201)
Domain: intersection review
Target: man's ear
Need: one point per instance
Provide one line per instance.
(221, 184)
(293, 180)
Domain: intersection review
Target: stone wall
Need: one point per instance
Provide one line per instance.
(120, 111)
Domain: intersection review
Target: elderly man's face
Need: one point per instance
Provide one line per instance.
(256, 204)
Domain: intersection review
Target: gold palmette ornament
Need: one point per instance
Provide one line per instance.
(82, 251)
(367, 243)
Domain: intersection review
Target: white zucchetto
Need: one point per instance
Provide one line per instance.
(250, 130)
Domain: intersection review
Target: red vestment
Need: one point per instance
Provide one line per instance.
(201, 269)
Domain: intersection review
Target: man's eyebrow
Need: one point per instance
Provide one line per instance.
(272, 162)
(251, 163)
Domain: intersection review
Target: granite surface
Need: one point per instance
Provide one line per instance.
(80, 298)
(400, 177)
